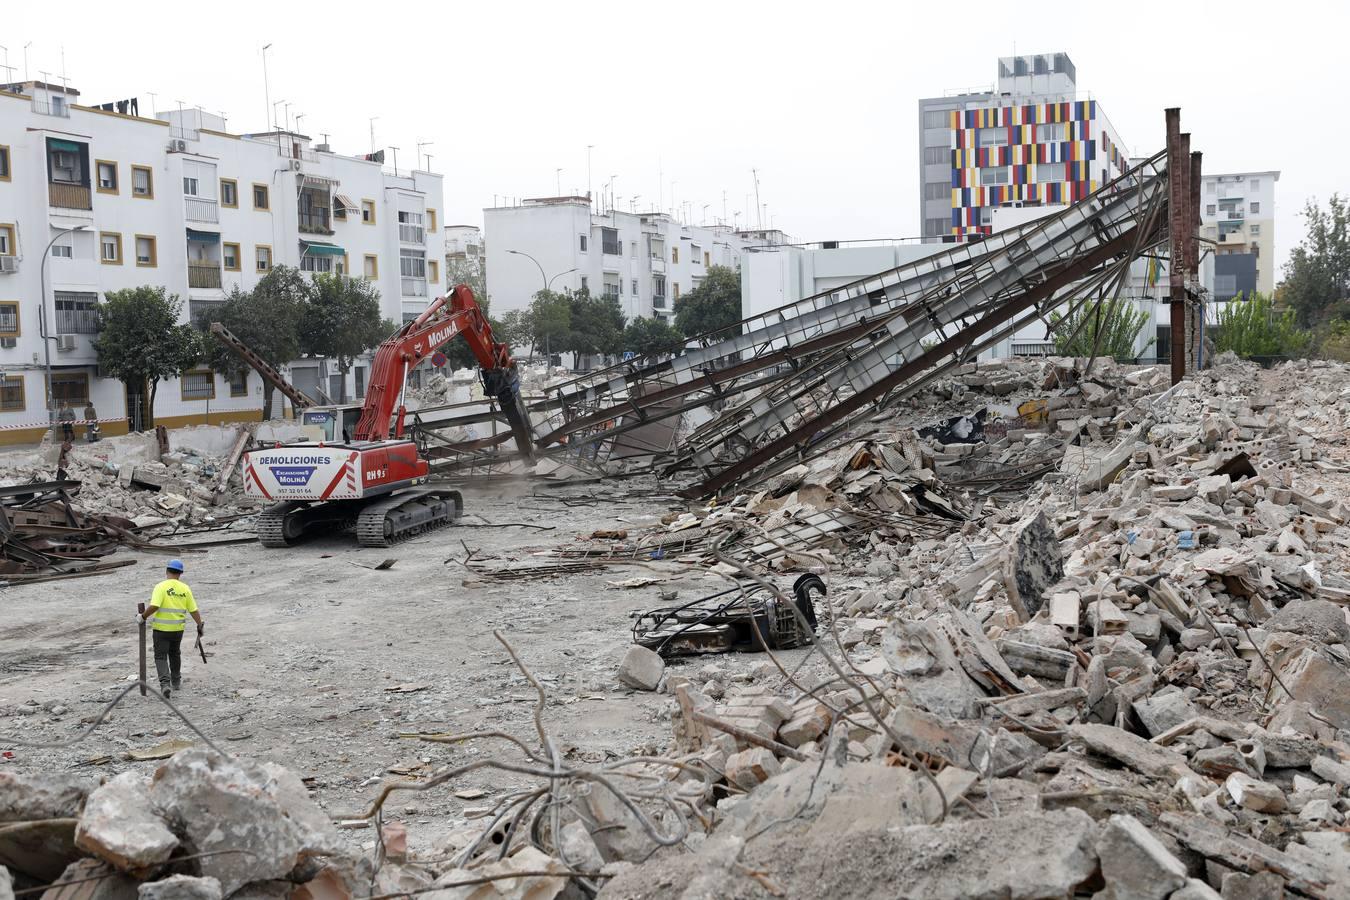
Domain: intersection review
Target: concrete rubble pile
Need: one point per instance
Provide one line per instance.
(1135, 682)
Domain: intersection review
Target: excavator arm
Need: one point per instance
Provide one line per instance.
(442, 321)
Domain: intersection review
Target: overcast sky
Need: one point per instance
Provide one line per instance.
(820, 98)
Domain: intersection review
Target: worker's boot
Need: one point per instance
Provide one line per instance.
(178, 685)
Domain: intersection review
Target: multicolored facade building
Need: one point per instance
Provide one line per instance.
(1031, 142)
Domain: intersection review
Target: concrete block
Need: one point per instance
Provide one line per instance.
(641, 669)
(181, 887)
(751, 767)
(120, 826)
(1163, 711)
(1135, 864)
(1320, 682)
(1260, 796)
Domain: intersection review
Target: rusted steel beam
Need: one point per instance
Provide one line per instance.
(1178, 202)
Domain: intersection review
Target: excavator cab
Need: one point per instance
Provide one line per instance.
(338, 423)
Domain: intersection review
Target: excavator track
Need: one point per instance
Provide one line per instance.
(407, 514)
(277, 525)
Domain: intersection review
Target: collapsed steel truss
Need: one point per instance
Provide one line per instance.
(781, 386)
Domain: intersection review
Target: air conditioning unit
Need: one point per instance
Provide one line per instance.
(9, 264)
(177, 146)
(65, 342)
(8, 343)
(295, 165)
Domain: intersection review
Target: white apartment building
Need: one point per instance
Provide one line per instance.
(1237, 214)
(776, 275)
(644, 260)
(112, 200)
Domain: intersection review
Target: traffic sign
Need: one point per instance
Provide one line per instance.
(438, 359)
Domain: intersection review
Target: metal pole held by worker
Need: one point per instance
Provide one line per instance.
(140, 608)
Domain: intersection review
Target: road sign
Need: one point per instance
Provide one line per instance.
(438, 359)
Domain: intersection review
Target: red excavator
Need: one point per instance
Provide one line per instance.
(371, 476)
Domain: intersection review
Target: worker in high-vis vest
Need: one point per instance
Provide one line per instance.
(170, 605)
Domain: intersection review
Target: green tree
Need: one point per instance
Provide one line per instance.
(1253, 327)
(341, 321)
(713, 305)
(1118, 322)
(550, 320)
(513, 329)
(140, 340)
(1316, 281)
(597, 324)
(647, 336)
(467, 271)
(267, 319)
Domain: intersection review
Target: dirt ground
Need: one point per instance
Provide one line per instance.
(305, 644)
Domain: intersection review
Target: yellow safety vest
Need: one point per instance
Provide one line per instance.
(174, 601)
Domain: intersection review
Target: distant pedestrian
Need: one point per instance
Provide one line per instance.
(90, 422)
(170, 605)
(67, 419)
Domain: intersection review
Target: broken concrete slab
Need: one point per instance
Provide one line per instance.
(1131, 750)
(92, 879)
(467, 884)
(1315, 679)
(1164, 711)
(120, 826)
(1253, 794)
(751, 767)
(27, 798)
(1035, 566)
(218, 803)
(181, 887)
(1320, 620)
(641, 669)
(1135, 864)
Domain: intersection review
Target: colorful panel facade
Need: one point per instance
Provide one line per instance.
(1038, 153)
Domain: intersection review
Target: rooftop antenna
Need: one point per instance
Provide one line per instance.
(395, 149)
(372, 133)
(65, 83)
(288, 117)
(153, 104)
(25, 60)
(298, 117)
(703, 217)
(224, 121)
(589, 147)
(755, 174)
(557, 182)
(181, 131)
(267, 88)
(420, 145)
(428, 162)
(9, 70)
(724, 207)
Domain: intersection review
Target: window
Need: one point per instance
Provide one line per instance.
(146, 251)
(262, 256)
(198, 385)
(935, 156)
(229, 193)
(410, 227)
(632, 246)
(72, 387)
(371, 266)
(230, 254)
(9, 319)
(613, 287)
(992, 137)
(1256, 207)
(937, 118)
(609, 242)
(1210, 209)
(260, 199)
(937, 190)
(239, 384)
(11, 393)
(142, 182)
(368, 212)
(189, 186)
(674, 290)
(7, 245)
(360, 372)
(582, 242)
(431, 221)
(674, 254)
(76, 312)
(111, 243)
(412, 264)
(585, 283)
(936, 226)
(707, 258)
(310, 262)
(344, 266)
(433, 271)
(62, 251)
(107, 176)
(994, 175)
(1256, 230)
(694, 254)
(66, 167)
(635, 287)
(4, 163)
(1049, 172)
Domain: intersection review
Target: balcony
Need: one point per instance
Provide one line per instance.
(67, 195)
(658, 263)
(203, 274)
(315, 221)
(414, 287)
(196, 209)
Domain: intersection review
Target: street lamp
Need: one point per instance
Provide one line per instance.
(42, 313)
(548, 285)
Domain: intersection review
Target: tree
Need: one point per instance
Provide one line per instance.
(467, 271)
(267, 319)
(1316, 281)
(713, 305)
(597, 324)
(1252, 327)
(648, 336)
(1118, 321)
(513, 329)
(342, 320)
(140, 340)
(550, 320)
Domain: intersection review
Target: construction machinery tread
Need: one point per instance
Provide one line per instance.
(272, 525)
(407, 514)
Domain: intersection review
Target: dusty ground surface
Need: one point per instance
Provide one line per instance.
(304, 645)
